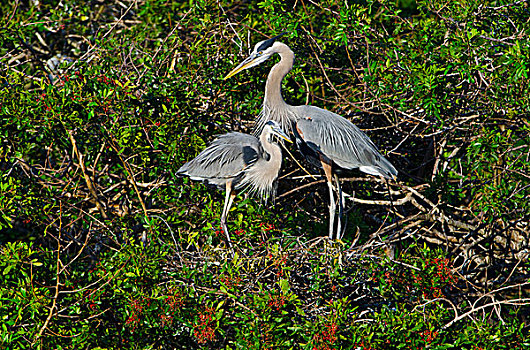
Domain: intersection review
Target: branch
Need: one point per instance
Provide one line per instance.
(522, 301)
(85, 175)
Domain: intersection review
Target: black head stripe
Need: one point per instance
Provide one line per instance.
(268, 43)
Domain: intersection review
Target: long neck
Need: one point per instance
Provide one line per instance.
(260, 177)
(274, 107)
(275, 152)
(273, 88)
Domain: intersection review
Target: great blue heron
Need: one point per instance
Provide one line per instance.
(239, 161)
(322, 136)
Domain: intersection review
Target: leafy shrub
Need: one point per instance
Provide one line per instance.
(102, 246)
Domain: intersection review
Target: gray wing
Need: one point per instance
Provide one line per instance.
(225, 158)
(339, 140)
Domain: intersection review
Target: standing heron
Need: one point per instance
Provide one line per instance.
(239, 161)
(323, 137)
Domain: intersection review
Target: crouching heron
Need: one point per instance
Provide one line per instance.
(239, 161)
(323, 137)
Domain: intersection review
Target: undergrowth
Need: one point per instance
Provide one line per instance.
(103, 246)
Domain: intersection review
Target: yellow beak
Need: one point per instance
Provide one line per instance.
(243, 65)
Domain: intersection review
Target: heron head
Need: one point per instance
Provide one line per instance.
(262, 51)
(275, 129)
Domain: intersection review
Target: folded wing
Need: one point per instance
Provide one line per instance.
(227, 157)
(340, 141)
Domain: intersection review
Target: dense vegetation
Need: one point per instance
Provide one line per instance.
(102, 246)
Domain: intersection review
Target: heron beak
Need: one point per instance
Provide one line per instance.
(243, 65)
(282, 134)
(286, 138)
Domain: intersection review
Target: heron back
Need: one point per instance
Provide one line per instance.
(339, 140)
(227, 157)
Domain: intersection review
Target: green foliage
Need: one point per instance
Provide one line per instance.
(102, 246)
(426, 276)
(494, 153)
(20, 301)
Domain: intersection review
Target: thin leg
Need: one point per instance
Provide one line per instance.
(341, 208)
(332, 209)
(229, 198)
(332, 206)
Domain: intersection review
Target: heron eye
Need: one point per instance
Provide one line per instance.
(260, 52)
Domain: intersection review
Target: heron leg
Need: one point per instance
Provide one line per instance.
(332, 209)
(332, 206)
(229, 198)
(341, 208)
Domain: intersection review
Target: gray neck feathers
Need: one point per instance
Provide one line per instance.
(260, 178)
(274, 107)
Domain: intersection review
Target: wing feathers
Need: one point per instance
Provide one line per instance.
(341, 141)
(226, 157)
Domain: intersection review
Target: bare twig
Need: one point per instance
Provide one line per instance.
(89, 183)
